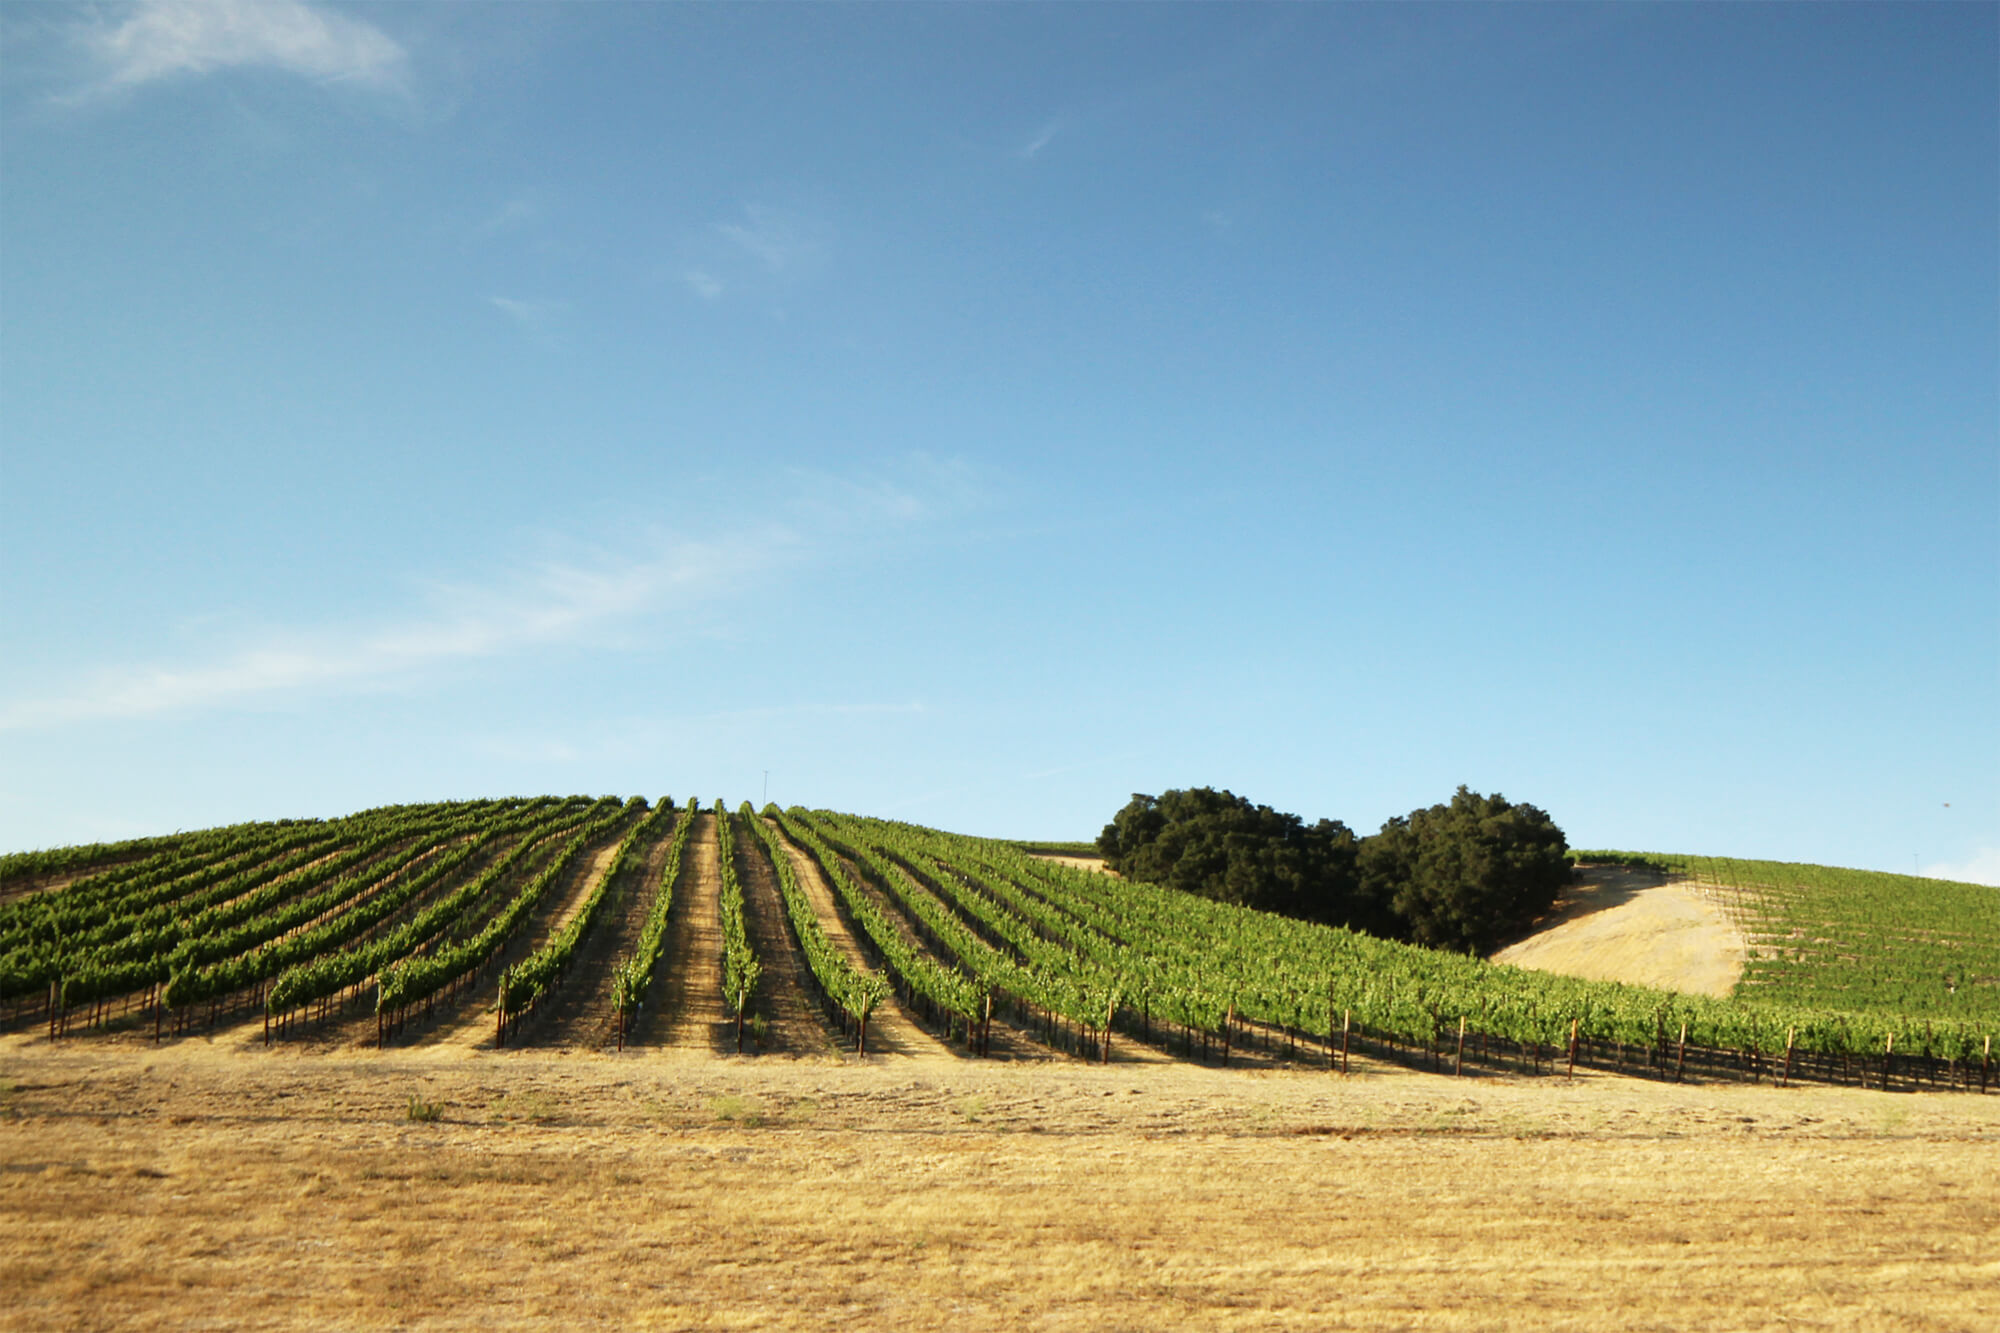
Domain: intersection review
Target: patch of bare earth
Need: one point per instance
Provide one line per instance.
(795, 1023)
(1095, 863)
(689, 1017)
(197, 1187)
(1622, 924)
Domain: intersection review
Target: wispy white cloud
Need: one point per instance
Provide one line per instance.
(537, 319)
(551, 605)
(162, 39)
(1982, 867)
(518, 212)
(1030, 150)
(925, 488)
(778, 239)
(703, 283)
(598, 599)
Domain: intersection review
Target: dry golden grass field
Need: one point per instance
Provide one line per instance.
(202, 1185)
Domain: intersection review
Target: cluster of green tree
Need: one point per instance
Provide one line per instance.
(1461, 876)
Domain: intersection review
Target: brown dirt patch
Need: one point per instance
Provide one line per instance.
(690, 1017)
(796, 1024)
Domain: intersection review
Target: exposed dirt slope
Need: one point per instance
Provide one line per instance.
(690, 1017)
(797, 1024)
(1621, 924)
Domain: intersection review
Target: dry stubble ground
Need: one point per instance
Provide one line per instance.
(198, 1186)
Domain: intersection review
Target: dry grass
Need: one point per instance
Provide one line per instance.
(1617, 924)
(199, 1187)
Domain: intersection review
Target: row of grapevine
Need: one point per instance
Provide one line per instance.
(740, 969)
(417, 901)
(419, 979)
(193, 861)
(1859, 939)
(157, 908)
(524, 984)
(154, 893)
(350, 954)
(851, 993)
(635, 974)
(1283, 971)
(923, 978)
(217, 949)
(1044, 983)
(1212, 968)
(121, 856)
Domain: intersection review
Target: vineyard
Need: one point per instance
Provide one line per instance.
(550, 921)
(1854, 939)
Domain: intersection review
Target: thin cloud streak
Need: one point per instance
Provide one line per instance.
(165, 38)
(1030, 150)
(773, 237)
(552, 605)
(557, 604)
(703, 283)
(537, 319)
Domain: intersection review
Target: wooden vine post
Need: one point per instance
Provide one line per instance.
(740, 996)
(1681, 1059)
(1458, 1061)
(1346, 1024)
(1985, 1064)
(1785, 1079)
(1110, 1012)
(1329, 1023)
(1888, 1054)
(1573, 1025)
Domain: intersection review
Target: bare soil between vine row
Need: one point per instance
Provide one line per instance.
(203, 1186)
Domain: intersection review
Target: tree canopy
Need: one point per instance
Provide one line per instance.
(1466, 875)
(1219, 845)
(1460, 876)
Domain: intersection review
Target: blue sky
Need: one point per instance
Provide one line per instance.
(974, 415)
